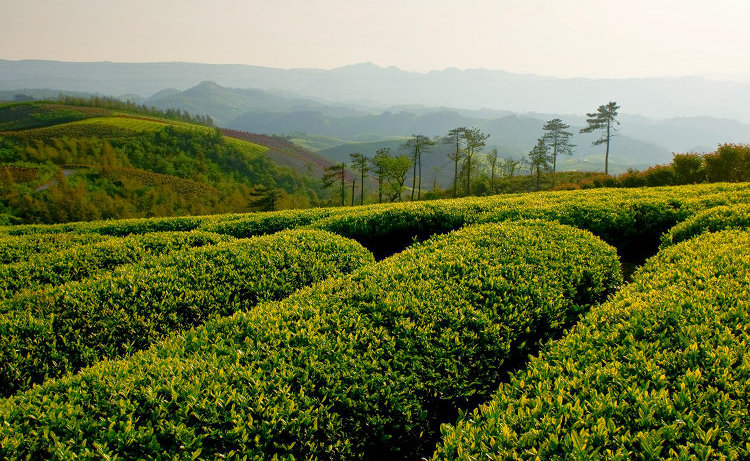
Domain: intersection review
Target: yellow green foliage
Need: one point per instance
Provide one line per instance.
(47, 333)
(365, 365)
(712, 220)
(36, 270)
(659, 372)
(19, 248)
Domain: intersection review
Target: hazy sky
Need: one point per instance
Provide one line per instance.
(589, 38)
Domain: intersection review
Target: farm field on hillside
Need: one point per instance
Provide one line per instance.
(378, 331)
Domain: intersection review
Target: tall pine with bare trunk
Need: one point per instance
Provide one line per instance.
(334, 174)
(417, 145)
(558, 140)
(360, 164)
(604, 120)
(456, 136)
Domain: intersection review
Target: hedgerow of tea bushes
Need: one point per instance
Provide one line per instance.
(361, 366)
(77, 263)
(18, 248)
(118, 228)
(387, 229)
(143, 226)
(660, 371)
(712, 220)
(47, 333)
(249, 225)
(633, 226)
(632, 220)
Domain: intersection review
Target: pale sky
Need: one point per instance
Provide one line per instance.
(565, 38)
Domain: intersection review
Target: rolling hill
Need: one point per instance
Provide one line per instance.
(290, 109)
(72, 161)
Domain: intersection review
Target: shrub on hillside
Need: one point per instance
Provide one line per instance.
(47, 333)
(712, 220)
(659, 175)
(362, 366)
(730, 162)
(660, 371)
(688, 168)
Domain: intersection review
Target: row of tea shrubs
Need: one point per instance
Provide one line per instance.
(632, 220)
(604, 215)
(364, 364)
(47, 333)
(58, 265)
(661, 371)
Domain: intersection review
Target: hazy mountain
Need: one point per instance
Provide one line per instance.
(261, 111)
(366, 84)
(225, 104)
(368, 103)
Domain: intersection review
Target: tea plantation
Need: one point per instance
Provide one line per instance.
(478, 328)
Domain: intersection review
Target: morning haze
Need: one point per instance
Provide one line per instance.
(333, 72)
(571, 38)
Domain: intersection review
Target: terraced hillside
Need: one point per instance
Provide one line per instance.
(119, 162)
(279, 335)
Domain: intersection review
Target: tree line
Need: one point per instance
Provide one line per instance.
(110, 103)
(729, 163)
(390, 170)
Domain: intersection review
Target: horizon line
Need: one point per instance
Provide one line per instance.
(729, 78)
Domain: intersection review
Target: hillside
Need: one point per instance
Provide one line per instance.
(105, 159)
(317, 124)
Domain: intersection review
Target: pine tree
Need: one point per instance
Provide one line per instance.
(603, 119)
(492, 158)
(539, 158)
(475, 140)
(417, 145)
(334, 174)
(360, 163)
(381, 167)
(456, 136)
(558, 139)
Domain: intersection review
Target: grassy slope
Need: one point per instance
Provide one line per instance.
(284, 152)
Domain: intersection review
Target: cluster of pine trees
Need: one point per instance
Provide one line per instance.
(474, 173)
(110, 103)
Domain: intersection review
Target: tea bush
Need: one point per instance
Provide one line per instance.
(50, 332)
(361, 366)
(660, 371)
(79, 262)
(249, 225)
(18, 248)
(712, 220)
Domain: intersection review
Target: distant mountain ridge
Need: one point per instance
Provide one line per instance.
(284, 114)
(366, 103)
(376, 87)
